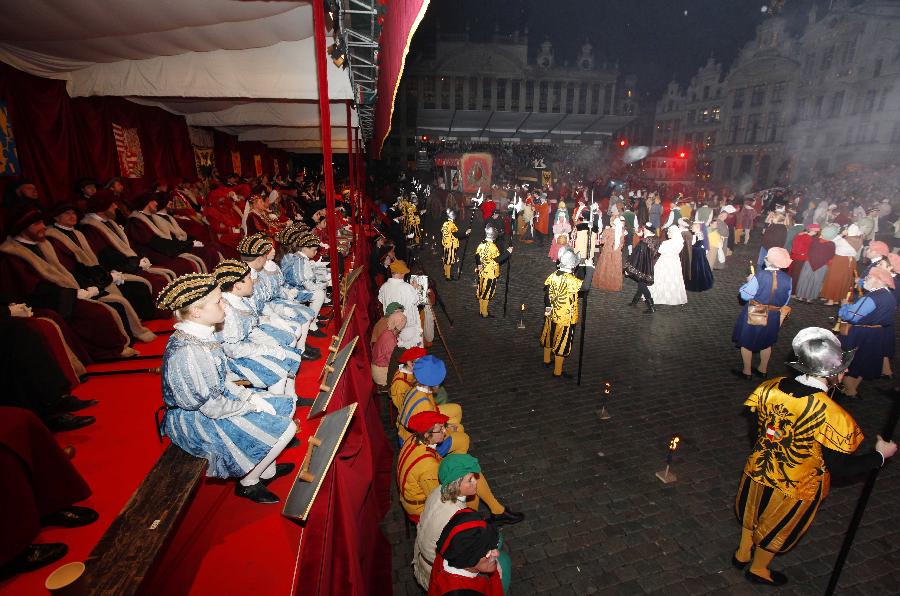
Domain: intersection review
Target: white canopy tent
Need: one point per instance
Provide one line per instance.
(245, 66)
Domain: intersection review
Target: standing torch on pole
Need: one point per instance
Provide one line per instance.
(604, 399)
(667, 476)
(521, 324)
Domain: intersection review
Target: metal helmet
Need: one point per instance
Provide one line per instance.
(568, 259)
(490, 233)
(451, 214)
(819, 353)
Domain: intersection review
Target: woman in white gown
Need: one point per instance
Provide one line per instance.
(668, 281)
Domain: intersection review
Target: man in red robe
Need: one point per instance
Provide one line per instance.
(40, 487)
(154, 243)
(113, 249)
(31, 273)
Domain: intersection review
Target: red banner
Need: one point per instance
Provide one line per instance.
(476, 171)
(257, 164)
(236, 162)
(128, 146)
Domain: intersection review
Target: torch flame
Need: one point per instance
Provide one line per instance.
(673, 444)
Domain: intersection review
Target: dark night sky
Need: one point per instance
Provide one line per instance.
(653, 39)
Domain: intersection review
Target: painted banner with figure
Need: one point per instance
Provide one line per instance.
(203, 156)
(9, 158)
(236, 162)
(476, 169)
(257, 164)
(128, 146)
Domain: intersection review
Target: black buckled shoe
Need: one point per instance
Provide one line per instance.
(317, 333)
(71, 517)
(62, 422)
(36, 556)
(760, 374)
(778, 578)
(740, 374)
(258, 493)
(737, 564)
(508, 517)
(280, 470)
(310, 354)
(70, 403)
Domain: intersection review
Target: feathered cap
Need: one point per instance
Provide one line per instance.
(254, 246)
(186, 290)
(230, 271)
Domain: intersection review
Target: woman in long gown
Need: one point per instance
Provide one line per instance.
(820, 253)
(701, 273)
(608, 274)
(668, 282)
(841, 272)
(561, 228)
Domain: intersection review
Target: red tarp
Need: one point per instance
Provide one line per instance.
(400, 23)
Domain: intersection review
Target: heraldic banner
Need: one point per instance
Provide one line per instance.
(128, 145)
(236, 162)
(203, 156)
(9, 159)
(257, 164)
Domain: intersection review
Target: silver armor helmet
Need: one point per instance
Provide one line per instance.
(568, 259)
(819, 353)
(451, 214)
(490, 233)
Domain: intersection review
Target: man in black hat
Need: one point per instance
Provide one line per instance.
(465, 560)
(158, 244)
(22, 195)
(30, 272)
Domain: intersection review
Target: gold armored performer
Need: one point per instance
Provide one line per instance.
(488, 269)
(450, 243)
(804, 439)
(561, 311)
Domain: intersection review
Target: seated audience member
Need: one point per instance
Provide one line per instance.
(403, 379)
(430, 372)
(169, 226)
(466, 557)
(252, 354)
(35, 373)
(31, 273)
(156, 244)
(384, 341)
(112, 247)
(130, 295)
(396, 289)
(239, 431)
(459, 475)
(40, 489)
(417, 470)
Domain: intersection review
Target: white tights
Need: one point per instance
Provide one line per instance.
(266, 468)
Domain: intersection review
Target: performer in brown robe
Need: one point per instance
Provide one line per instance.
(40, 485)
(152, 242)
(114, 252)
(31, 273)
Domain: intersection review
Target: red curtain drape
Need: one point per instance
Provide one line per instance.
(400, 23)
(60, 139)
(343, 550)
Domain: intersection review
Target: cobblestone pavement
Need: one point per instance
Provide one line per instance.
(598, 520)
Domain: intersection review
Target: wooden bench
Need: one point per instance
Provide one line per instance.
(127, 551)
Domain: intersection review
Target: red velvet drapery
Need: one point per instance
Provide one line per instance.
(60, 139)
(400, 23)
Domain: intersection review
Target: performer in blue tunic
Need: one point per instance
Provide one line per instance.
(770, 288)
(239, 431)
(302, 272)
(256, 251)
(267, 363)
(871, 329)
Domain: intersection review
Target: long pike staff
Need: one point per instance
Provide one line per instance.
(585, 290)
(506, 291)
(475, 203)
(889, 428)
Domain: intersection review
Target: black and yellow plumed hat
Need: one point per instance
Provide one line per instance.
(254, 246)
(185, 290)
(230, 271)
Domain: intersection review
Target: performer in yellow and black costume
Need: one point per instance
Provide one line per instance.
(804, 437)
(488, 269)
(561, 311)
(450, 243)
